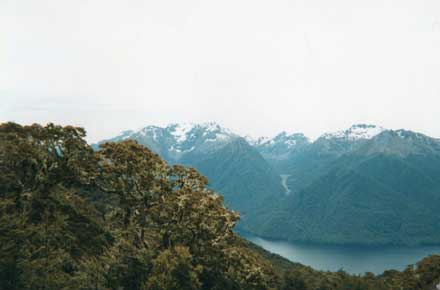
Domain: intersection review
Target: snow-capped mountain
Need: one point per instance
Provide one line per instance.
(367, 172)
(356, 132)
(285, 146)
(281, 146)
(367, 166)
(234, 167)
(402, 143)
(340, 142)
(256, 141)
(175, 140)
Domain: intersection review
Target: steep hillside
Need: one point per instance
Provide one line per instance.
(239, 172)
(363, 185)
(314, 160)
(235, 169)
(385, 190)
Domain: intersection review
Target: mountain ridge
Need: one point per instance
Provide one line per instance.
(366, 171)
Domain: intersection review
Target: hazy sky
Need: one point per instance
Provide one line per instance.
(255, 66)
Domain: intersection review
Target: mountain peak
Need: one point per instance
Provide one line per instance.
(407, 135)
(180, 131)
(404, 134)
(356, 132)
(256, 141)
(290, 139)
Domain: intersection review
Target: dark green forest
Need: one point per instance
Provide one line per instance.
(379, 191)
(121, 218)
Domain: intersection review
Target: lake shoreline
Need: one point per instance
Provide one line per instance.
(241, 232)
(355, 260)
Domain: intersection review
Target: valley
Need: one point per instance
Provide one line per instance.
(365, 185)
(284, 179)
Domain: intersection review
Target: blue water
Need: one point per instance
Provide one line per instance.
(352, 259)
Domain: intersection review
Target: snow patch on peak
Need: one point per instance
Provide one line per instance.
(290, 143)
(290, 139)
(212, 131)
(283, 139)
(364, 131)
(149, 131)
(409, 134)
(178, 150)
(256, 141)
(219, 137)
(400, 133)
(180, 131)
(292, 136)
(211, 127)
(356, 132)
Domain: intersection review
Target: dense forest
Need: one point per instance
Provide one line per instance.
(121, 218)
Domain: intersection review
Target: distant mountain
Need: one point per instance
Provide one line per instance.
(381, 188)
(175, 141)
(240, 174)
(355, 133)
(313, 161)
(362, 185)
(281, 148)
(234, 168)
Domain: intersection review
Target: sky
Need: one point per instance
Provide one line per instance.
(257, 67)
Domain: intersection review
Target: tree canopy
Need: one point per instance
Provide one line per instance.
(121, 218)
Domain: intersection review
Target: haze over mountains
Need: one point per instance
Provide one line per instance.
(363, 185)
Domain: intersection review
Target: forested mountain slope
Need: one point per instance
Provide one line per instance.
(385, 190)
(362, 185)
(121, 218)
(240, 174)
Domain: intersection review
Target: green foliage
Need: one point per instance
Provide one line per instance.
(122, 219)
(173, 270)
(294, 280)
(119, 218)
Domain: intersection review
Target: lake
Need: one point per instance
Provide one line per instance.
(352, 259)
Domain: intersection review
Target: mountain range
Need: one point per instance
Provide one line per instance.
(234, 167)
(364, 185)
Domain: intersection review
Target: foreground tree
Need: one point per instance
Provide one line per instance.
(118, 218)
(173, 269)
(46, 226)
(121, 219)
